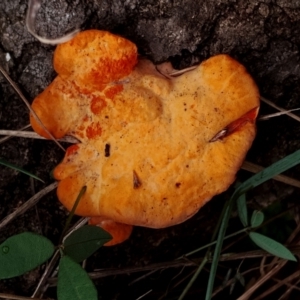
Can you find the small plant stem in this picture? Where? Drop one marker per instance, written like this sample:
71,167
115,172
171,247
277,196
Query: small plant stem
196,274
207,255
225,218
76,226
72,212
246,229
46,273
176,264
262,225
214,242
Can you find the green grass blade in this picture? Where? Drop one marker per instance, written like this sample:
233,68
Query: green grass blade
215,261
72,212
14,167
269,172
271,246
196,274
207,255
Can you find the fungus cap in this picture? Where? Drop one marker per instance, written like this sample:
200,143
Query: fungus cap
153,149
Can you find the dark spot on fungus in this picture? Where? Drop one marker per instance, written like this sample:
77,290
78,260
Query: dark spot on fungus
136,181
178,184
107,150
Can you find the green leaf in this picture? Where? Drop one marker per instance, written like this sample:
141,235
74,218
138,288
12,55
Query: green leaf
14,167
22,253
242,209
257,218
73,282
83,242
271,246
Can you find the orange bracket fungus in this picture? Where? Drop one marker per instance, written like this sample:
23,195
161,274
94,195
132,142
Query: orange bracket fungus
153,149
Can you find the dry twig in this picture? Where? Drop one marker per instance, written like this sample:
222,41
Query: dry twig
177,264
20,94
290,114
10,136
289,290
27,205
262,280
43,284
15,297
33,135
278,285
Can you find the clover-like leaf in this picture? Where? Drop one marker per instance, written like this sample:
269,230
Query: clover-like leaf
242,209
73,282
271,246
154,148
257,218
84,241
22,253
